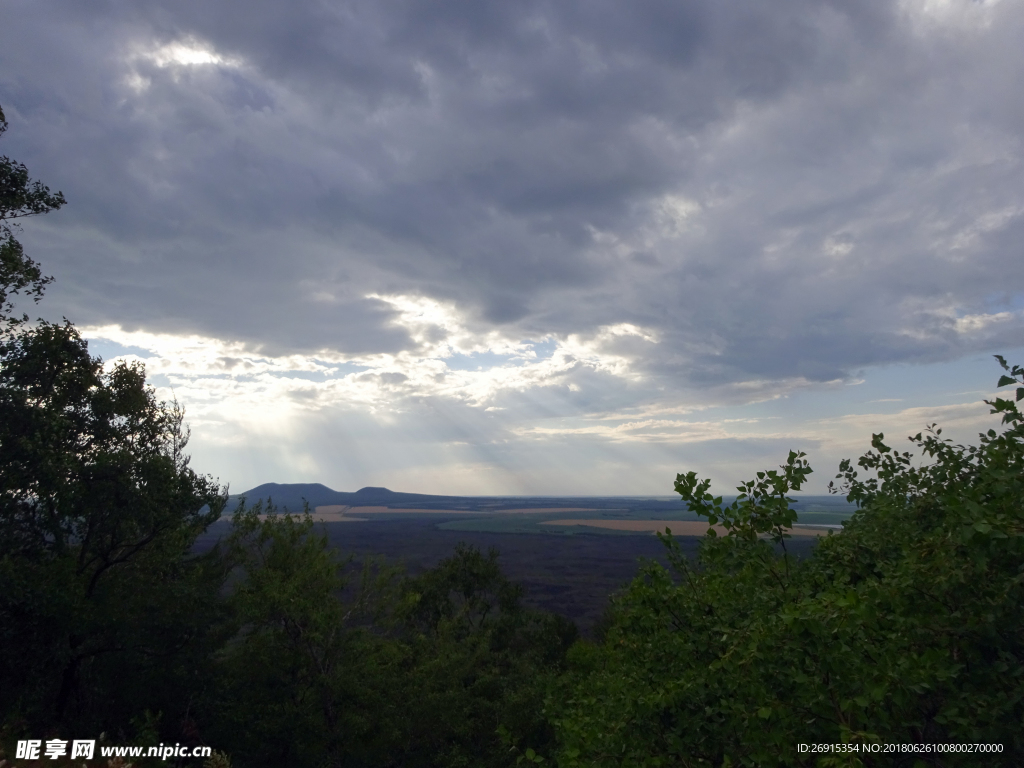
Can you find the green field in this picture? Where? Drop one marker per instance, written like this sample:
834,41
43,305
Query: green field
815,510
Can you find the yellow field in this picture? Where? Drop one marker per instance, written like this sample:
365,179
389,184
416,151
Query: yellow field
332,511
338,512
330,514
544,511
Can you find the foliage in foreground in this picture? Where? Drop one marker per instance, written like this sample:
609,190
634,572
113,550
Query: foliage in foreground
99,508
906,628
20,196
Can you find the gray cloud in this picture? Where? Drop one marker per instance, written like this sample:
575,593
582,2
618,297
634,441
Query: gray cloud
794,190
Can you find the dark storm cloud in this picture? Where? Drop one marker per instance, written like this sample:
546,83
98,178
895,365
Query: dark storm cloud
794,189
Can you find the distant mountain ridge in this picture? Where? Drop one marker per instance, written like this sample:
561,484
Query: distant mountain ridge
294,495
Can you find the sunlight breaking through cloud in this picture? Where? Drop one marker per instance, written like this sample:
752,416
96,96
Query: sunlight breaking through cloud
187,52
214,371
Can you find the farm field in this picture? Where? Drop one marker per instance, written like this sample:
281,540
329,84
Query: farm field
677,527
632,517
344,513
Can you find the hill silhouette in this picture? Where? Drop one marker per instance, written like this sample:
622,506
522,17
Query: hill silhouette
293,495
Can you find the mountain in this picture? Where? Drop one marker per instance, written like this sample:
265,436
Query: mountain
293,495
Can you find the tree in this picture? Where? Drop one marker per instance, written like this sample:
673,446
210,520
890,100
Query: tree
477,663
99,509
302,679
327,669
905,628
19,197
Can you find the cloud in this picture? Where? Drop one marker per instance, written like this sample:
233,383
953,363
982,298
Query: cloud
447,360
518,214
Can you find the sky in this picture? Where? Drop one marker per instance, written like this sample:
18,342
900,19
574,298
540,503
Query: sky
482,247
